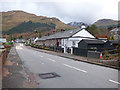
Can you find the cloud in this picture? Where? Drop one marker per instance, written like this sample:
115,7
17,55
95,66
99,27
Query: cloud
87,11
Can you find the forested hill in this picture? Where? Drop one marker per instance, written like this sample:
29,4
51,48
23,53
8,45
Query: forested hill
31,27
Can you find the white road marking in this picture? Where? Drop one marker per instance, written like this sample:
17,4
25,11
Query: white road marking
18,47
40,56
114,81
75,68
61,58
37,54
21,44
51,60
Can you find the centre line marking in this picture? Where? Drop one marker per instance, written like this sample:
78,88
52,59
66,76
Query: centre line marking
51,60
42,63
75,68
114,81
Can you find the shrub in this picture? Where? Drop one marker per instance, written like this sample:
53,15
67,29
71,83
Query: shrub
46,48
7,46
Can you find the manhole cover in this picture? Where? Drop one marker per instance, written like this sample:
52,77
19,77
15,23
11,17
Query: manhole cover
48,75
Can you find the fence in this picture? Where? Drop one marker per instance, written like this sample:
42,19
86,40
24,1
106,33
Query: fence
80,52
48,48
57,49
91,53
94,53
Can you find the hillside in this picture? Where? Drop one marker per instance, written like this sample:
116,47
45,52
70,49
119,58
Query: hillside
106,23
12,19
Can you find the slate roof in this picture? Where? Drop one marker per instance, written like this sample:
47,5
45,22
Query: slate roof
43,38
63,34
93,41
82,37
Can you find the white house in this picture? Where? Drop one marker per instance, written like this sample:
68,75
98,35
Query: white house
66,39
76,38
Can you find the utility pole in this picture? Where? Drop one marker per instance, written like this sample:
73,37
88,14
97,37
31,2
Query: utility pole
55,39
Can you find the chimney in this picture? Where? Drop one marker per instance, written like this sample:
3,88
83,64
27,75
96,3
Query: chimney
83,26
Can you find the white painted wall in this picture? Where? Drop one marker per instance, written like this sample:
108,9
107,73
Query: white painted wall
69,41
65,42
83,33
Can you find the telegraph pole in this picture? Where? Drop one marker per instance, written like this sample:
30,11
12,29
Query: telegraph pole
55,39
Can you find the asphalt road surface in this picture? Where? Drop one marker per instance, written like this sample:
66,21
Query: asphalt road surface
73,74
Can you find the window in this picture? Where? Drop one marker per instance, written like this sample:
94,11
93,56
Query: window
73,43
62,42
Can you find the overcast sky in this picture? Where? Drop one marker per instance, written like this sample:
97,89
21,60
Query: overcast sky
87,11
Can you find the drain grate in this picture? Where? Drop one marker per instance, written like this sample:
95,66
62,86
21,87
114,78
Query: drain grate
48,75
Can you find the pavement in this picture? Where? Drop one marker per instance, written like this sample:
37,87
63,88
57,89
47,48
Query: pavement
0,70
1,50
15,74
106,63
72,74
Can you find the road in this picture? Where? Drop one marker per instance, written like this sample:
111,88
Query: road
73,74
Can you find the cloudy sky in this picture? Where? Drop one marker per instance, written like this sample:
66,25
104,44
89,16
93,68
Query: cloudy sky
87,11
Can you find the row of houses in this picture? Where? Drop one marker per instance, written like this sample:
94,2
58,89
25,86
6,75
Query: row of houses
76,41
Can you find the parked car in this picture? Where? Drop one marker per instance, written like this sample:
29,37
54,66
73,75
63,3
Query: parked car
2,47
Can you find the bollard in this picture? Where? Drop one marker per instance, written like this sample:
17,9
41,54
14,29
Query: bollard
100,55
